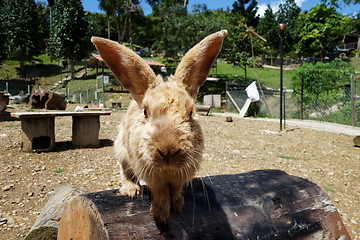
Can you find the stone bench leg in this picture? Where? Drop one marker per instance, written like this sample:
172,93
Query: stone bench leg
85,131
38,134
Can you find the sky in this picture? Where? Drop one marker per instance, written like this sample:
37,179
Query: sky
305,5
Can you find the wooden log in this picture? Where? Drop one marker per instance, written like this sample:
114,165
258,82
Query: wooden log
56,101
47,223
38,98
266,204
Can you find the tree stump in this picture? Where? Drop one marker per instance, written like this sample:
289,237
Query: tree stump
56,101
47,223
266,204
37,99
47,99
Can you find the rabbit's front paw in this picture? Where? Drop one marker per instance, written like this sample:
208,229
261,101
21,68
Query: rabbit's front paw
130,189
177,204
160,213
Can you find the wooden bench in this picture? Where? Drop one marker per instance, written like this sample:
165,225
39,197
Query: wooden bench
206,109
4,101
38,132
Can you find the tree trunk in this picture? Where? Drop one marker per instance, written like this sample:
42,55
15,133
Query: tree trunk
124,29
266,204
117,22
72,69
130,31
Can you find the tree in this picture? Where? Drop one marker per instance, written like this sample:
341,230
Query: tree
2,32
246,9
67,32
267,29
321,28
170,16
21,22
122,12
346,2
318,81
288,13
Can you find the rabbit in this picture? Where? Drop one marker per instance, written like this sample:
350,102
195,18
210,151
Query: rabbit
160,140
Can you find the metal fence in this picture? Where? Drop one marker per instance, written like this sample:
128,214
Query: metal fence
16,87
341,106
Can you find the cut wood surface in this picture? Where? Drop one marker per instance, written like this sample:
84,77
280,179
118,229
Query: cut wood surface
264,204
47,223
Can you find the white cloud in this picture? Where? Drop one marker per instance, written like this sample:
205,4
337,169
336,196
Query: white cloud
275,6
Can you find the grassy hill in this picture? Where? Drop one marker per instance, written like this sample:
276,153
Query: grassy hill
46,73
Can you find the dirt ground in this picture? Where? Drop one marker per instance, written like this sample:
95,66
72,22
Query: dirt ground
27,179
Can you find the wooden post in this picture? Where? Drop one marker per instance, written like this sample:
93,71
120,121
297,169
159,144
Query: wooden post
352,100
264,204
302,99
38,134
85,131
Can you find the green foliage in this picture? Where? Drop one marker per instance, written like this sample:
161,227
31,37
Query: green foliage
20,21
247,10
288,13
67,32
2,32
322,28
320,80
267,29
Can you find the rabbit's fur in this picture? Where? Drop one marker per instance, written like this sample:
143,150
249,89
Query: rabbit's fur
159,139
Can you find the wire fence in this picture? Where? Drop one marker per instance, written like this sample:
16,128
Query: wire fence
341,106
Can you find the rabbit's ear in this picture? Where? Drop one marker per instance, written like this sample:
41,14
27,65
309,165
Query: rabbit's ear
129,68
197,62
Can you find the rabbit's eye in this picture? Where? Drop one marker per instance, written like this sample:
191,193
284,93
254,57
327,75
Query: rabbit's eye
145,113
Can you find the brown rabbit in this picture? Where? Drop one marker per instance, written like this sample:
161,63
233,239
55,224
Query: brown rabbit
159,139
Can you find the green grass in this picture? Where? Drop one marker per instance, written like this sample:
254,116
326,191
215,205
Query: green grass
49,73
286,157
268,77
60,170
355,62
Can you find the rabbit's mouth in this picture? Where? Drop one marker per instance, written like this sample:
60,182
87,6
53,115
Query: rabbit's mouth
169,159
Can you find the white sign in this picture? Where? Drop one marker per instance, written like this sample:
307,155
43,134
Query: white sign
106,79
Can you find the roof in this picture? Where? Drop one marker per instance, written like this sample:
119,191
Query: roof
148,61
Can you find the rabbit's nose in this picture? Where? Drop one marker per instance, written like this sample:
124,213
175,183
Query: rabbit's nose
168,151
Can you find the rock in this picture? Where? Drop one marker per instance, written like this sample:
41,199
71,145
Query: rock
8,187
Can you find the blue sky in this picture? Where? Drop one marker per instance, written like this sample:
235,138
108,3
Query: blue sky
305,5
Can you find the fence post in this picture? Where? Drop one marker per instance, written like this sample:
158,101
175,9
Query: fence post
302,99
226,97
352,100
